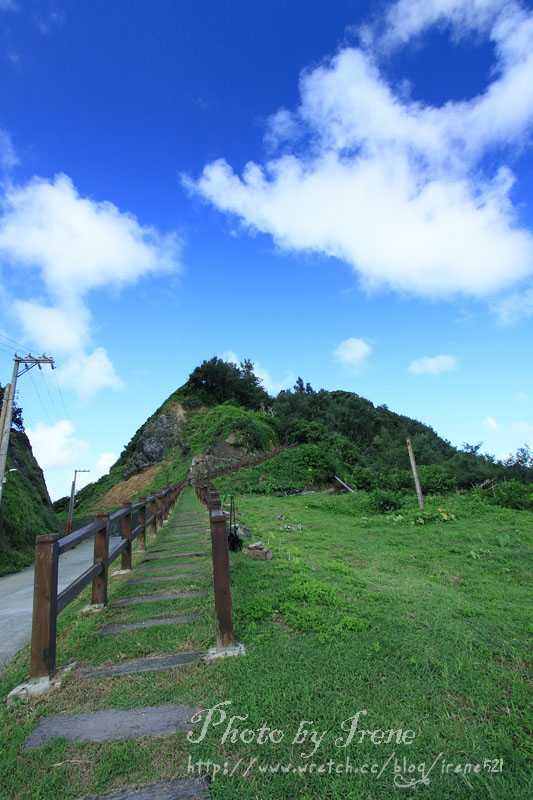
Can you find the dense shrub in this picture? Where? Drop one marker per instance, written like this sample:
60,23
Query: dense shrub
512,494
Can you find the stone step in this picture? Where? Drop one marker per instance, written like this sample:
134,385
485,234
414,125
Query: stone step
97,726
147,623
128,601
171,566
151,664
179,789
176,555
178,576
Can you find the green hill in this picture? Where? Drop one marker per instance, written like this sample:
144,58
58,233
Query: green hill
223,418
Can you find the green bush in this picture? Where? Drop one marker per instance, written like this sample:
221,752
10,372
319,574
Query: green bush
512,494
383,500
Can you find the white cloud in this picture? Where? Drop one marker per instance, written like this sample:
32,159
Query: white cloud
8,157
54,446
79,244
394,187
433,366
352,354
514,307
522,396
89,373
75,245
491,423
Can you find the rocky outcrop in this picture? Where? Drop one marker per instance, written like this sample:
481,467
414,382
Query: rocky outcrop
160,433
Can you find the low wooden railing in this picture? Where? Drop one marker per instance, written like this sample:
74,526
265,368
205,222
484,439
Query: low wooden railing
208,495
47,603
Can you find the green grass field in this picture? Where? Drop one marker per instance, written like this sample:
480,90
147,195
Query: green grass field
418,622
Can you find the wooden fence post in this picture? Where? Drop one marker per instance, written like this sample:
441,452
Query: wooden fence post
166,503
43,637
101,544
153,512
159,510
141,515
126,534
223,612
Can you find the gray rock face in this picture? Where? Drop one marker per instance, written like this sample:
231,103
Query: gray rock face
159,433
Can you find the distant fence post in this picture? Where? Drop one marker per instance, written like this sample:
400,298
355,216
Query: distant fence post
159,510
223,612
153,513
141,515
126,534
166,503
43,638
101,544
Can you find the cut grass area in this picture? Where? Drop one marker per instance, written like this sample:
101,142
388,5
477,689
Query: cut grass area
424,627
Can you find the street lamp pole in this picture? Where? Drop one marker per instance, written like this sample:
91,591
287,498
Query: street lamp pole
68,527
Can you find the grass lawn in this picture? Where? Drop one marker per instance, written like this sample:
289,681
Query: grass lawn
377,646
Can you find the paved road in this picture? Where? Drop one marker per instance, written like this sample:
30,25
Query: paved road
16,598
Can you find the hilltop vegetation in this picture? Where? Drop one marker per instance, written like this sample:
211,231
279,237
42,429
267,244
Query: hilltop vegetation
222,414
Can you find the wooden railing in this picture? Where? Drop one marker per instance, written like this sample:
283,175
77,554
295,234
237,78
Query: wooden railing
208,495
47,603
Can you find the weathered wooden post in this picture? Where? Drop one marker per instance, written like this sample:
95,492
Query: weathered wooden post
126,534
418,487
159,510
43,637
166,503
223,611
141,515
101,545
153,513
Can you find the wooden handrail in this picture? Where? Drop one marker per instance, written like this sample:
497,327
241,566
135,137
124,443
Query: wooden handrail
47,603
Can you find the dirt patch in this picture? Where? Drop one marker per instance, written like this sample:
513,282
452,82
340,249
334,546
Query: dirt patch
124,491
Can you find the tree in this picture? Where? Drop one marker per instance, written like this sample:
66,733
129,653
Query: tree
16,419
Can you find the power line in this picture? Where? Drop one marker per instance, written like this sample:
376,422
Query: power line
61,395
50,396
40,398
9,339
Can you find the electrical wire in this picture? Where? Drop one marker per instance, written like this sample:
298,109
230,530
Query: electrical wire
40,398
49,395
13,341
61,395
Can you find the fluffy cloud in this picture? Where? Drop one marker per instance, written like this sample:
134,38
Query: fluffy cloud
75,245
54,446
433,366
398,189
491,423
89,373
352,354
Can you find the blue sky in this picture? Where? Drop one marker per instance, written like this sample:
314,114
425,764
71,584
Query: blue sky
341,191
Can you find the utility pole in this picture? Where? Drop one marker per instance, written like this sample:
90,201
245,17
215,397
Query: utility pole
28,361
68,528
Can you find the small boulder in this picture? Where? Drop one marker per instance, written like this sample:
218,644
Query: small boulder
261,555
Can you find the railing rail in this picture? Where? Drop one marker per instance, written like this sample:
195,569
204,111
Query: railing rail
47,603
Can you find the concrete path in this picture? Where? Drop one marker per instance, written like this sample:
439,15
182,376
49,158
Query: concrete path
16,597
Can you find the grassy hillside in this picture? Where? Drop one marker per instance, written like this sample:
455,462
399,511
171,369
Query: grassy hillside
26,510
422,629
